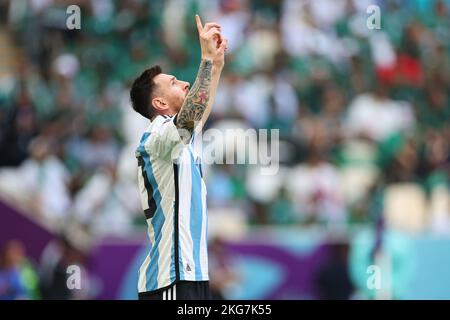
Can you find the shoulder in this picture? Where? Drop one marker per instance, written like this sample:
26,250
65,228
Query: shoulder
161,130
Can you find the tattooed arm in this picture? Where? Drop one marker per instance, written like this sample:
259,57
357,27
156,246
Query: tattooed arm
197,99
198,103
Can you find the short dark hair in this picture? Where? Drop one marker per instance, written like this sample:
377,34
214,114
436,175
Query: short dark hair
142,90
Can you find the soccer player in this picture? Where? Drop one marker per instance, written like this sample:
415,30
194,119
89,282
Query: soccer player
173,193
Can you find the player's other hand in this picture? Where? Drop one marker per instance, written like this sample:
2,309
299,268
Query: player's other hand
212,44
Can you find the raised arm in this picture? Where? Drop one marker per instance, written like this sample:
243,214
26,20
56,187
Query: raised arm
198,103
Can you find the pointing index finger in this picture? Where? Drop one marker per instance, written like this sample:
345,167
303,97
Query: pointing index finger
199,23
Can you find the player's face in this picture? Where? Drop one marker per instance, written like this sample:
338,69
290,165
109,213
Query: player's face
172,90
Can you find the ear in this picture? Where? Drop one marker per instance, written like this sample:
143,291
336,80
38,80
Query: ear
159,104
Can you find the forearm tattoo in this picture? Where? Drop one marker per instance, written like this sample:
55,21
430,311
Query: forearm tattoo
197,99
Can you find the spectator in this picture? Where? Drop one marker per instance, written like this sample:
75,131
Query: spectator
18,279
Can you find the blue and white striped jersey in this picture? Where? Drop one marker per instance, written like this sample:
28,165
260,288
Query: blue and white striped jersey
173,197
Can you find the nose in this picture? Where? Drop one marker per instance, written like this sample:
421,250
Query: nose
186,86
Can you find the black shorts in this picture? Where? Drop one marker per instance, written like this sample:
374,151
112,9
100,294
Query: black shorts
181,290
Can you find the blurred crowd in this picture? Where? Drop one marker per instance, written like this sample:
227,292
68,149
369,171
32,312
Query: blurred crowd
24,278
362,113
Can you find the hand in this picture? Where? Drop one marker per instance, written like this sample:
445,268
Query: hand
212,44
